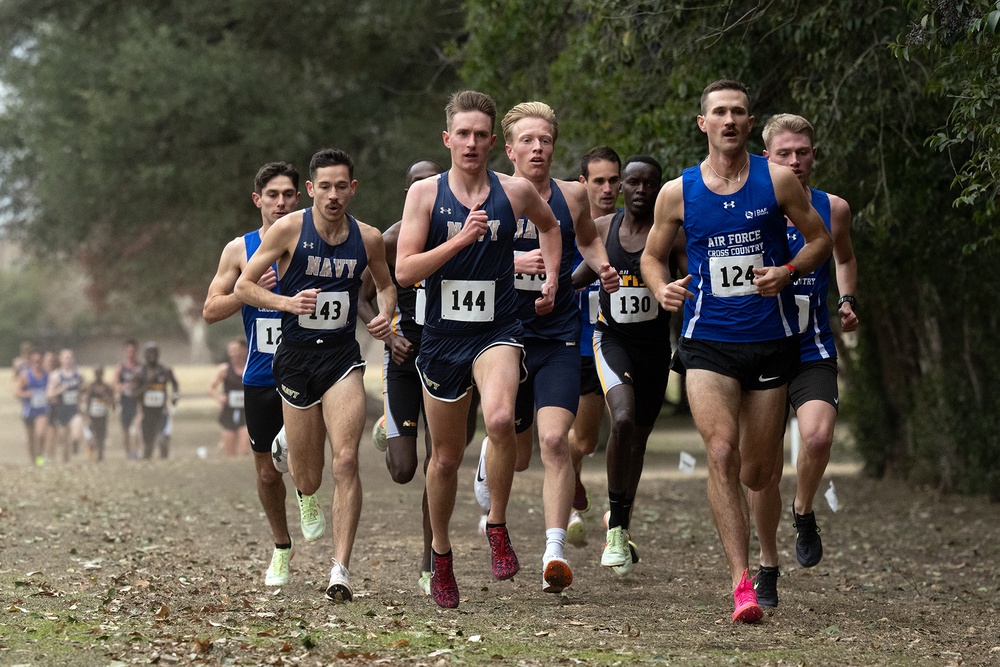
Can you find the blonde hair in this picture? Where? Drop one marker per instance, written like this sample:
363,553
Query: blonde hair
529,110
471,100
787,122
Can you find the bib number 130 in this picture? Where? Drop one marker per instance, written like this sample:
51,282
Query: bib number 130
467,300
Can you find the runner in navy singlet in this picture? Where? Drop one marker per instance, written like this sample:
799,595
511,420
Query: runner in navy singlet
813,392
276,193
457,234
226,389
740,333
321,253
551,341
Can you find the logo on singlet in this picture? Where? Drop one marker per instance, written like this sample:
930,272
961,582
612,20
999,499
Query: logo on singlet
729,204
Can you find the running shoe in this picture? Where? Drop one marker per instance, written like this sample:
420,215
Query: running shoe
766,585
581,499
339,589
312,519
424,582
745,598
576,532
279,451
379,436
616,552
502,556
482,523
481,488
444,590
627,567
808,545
277,571
556,575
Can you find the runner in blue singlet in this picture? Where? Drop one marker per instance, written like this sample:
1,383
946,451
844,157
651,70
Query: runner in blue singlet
739,344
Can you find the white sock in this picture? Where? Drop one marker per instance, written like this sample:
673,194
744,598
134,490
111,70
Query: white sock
555,540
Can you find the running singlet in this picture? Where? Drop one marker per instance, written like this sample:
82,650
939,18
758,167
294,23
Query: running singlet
38,402
232,384
631,312
334,269
72,383
474,290
563,323
263,331
817,336
126,379
588,305
727,237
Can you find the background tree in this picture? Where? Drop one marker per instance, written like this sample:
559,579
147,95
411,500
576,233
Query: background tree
924,378
131,132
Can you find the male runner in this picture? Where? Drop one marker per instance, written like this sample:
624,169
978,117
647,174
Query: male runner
632,352
739,343
813,391
321,253
124,385
600,173
403,400
276,193
156,390
226,389
458,233
32,386
551,341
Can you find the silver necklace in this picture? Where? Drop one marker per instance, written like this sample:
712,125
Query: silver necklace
729,180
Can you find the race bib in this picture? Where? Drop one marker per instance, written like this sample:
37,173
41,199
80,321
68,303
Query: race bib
468,300
154,398
733,276
71,396
528,282
235,399
39,399
420,308
268,330
594,303
802,303
98,409
633,304
332,309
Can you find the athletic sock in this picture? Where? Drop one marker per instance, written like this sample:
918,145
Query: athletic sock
283,546
620,508
555,540
496,525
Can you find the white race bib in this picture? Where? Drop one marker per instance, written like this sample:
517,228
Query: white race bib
802,302
332,309
268,330
468,300
154,398
98,409
420,308
733,276
594,303
528,282
39,399
71,396
235,399
633,304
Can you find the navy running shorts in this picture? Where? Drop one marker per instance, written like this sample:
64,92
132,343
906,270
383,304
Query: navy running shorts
552,382
445,361
304,374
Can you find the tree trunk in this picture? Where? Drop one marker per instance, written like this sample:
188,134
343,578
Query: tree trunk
189,314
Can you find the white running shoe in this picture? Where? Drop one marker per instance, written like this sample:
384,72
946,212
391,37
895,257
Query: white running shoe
616,551
339,589
424,582
482,524
279,451
482,490
576,532
311,516
277,571
379,436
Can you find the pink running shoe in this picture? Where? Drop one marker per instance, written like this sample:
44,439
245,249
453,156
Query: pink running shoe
745,598
444,589
502,555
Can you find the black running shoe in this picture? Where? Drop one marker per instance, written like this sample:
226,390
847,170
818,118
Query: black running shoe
808,545
766,585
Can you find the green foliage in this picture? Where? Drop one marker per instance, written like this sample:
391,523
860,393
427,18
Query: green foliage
923,378
132,131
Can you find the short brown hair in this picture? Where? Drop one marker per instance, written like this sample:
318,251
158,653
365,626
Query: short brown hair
273,170
529,110
787,122
724,84
471,100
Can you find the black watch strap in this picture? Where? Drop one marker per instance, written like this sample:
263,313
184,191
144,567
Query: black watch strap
848,298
